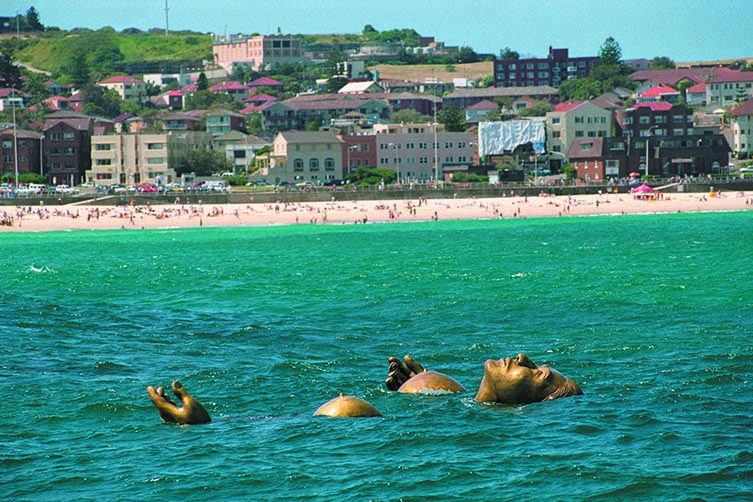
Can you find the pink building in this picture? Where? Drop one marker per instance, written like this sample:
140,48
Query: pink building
258,52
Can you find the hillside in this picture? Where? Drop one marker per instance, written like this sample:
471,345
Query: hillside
106,47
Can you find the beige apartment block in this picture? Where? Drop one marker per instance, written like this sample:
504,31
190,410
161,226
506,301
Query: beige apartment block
419,152
576,120
130,159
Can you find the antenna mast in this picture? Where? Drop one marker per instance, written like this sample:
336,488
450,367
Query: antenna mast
167,28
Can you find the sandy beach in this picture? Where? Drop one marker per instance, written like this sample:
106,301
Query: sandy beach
43,218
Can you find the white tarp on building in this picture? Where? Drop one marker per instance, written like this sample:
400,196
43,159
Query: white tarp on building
496,138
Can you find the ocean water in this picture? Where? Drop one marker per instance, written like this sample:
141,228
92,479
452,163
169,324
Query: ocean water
651,315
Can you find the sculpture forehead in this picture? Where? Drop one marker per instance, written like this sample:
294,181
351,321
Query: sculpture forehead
431,381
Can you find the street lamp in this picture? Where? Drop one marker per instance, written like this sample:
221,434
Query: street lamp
15,139
350,149
41,158
648,140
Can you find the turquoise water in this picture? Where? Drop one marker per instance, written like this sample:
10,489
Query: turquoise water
651,315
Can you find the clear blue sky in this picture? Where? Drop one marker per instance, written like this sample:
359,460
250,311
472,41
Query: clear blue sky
683,31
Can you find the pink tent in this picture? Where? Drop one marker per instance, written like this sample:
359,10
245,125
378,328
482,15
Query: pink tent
642,188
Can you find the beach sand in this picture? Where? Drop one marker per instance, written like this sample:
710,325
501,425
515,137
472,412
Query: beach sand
89,217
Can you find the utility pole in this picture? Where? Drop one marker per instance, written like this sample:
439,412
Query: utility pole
167,26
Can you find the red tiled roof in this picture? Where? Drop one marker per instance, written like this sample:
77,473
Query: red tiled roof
483,106
732,76
745,108
260,98
568,106
264,82
585,148
189,88
228,86
655,106
672,77
699,88
121,79
658,91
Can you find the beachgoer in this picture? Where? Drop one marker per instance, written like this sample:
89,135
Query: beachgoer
191,411
509,381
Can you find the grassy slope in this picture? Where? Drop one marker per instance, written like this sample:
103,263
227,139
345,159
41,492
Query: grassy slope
51,53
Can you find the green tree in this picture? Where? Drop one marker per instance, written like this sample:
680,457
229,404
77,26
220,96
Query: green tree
203,162
538,109
314,125
662,63
610,52
334,84
408,116
369,31
453,118
579,89
9,69
78,69
254,123
508,53
467,55
32,19
202,84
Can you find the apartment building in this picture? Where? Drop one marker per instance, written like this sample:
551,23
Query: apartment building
576,120
127,87
421,152
552,70
729,88
306,156
256,52
130,159
742,129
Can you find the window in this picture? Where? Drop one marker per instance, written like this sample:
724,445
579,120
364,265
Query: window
555,120
102,148
298,165
578,134
512,66
578,120
155,146
7,144
329,164
313,164
586,146
678,132
627,120
645,119
69,136
677,119
103,162
155,160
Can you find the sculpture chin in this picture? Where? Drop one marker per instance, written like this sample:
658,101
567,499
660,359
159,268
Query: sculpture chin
431,382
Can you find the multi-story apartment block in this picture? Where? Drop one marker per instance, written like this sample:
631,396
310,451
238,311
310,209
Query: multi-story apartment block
240,149
67,146
551,71
131,159
221,121
729,88
742,129
576,120
258,52
420,152
306,156
661,139
28,148
359,150
127,87
299,112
